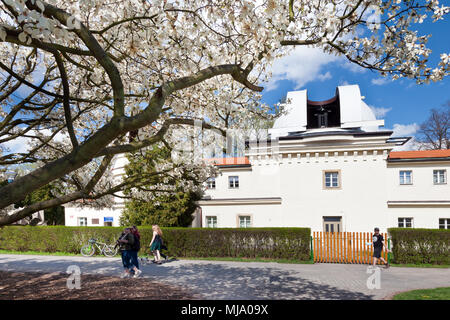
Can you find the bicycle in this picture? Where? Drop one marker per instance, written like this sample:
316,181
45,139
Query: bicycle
88,250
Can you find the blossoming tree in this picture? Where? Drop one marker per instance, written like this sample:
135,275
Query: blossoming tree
78,76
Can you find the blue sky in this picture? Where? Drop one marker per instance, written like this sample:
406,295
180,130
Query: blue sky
403,104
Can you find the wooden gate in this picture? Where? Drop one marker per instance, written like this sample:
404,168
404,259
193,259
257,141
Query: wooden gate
345,247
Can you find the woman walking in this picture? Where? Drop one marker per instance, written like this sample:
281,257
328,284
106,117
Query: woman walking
122,242
135,250
155,244
126,242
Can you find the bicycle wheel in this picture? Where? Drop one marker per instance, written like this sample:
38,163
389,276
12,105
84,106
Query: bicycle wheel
110,251
87,250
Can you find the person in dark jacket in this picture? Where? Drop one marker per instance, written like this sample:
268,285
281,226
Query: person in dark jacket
135,249
126,242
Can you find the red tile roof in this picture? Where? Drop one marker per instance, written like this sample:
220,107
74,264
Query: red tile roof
421,154
229,161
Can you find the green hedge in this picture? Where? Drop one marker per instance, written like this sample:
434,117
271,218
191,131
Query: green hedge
420,246
270,243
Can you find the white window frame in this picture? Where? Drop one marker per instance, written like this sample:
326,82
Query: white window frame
404,176
335,179
247,223
85,221
438,176
208,221
233,182
211,183
446,223
404,222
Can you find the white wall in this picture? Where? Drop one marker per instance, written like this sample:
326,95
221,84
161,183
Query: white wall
429,211
361,200
73,213
423,217
368,183
422,187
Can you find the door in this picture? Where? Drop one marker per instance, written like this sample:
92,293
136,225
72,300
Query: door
332,224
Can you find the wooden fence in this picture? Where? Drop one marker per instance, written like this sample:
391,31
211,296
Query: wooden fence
345,247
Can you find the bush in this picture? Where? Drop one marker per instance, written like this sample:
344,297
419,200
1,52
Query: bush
420,246
270,243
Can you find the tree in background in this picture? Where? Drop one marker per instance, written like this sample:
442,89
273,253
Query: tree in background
52,216
173,210
162,199
434,133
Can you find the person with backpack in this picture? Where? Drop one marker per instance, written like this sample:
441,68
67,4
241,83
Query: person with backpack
126,242
123,252
135,250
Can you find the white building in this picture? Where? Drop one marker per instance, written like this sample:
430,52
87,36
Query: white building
91,217
327,166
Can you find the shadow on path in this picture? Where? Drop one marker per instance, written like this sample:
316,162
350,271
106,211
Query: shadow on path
212,281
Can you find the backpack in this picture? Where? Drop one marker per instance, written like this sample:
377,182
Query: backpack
137,244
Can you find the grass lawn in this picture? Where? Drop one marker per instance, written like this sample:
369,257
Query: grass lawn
39,253
444,266
425,294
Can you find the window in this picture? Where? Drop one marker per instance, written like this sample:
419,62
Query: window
82,222
444,223
211,183
211,222
107,223
244,221
95,221
331,179
332,224
439,176
405,222
406,177
233,182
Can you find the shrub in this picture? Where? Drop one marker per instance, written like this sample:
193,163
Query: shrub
270,243
420,246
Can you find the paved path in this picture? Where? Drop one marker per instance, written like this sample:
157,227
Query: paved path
250,280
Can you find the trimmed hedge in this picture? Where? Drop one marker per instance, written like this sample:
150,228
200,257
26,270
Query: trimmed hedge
270,243
420,246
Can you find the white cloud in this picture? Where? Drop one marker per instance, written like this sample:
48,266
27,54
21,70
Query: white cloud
323,77
401,130
380,81
17,145
380,112
301,66
22,144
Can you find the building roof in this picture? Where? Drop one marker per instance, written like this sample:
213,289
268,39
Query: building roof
231,161
420,154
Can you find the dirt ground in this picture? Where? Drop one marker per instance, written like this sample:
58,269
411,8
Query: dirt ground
53,286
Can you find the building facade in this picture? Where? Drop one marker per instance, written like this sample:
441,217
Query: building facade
328,166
